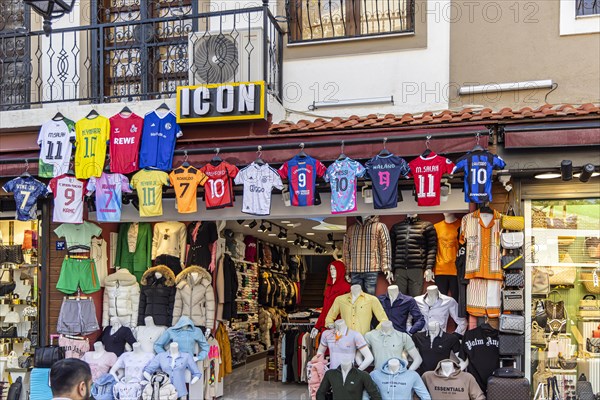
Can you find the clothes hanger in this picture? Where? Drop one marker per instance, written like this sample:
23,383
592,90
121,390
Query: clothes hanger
259,161
427,151
126,110
58,117
163,106
485,209
302,153
216,159
92,114
477,145
26,173
342,156
384,152
185,162
107,166
70,171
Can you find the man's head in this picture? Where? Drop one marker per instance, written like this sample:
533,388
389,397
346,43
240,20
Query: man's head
71,378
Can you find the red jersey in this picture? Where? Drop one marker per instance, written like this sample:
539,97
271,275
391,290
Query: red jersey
218,189
302,173
427,172
125,133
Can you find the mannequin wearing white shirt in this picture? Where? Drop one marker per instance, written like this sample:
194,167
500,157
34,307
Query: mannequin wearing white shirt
341,328
387,328
149,333
137,352
433,294
174,350
432,298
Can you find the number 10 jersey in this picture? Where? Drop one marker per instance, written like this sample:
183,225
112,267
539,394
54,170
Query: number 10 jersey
218,189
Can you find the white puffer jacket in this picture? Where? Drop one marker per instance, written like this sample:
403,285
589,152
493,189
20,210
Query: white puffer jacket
121,298
195,297
159,388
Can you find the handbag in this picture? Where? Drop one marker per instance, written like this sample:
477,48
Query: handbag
12,360
564,222
8,333
510,323
512,222
14,392
565,363
45,357
563,276
32,335
591,281
538,218
538,336
589,307
514,280
512,240
25,362
513,300
26,274
540,314
584,390
30,311
592,345
511,345
540,281
11,254
557,316
7,288
512,262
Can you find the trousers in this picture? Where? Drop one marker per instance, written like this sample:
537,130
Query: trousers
409,281
367,280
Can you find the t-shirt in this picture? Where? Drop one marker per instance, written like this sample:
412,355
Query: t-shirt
133,364
340,347
434,352
385,346
302,173
480,346
427,172
158,140
91,137
342,176
125,134
54,140
385,172
78,234
185,181
447,248
148,185
218,189
68,199
26,191
478,167
99,365
109,189
258,181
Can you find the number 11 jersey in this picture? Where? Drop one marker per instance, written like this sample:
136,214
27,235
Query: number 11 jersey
55,147
428,172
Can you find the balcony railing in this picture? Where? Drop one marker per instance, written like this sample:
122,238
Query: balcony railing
132,60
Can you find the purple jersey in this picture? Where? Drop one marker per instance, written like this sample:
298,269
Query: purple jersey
109,189
342,176
385,173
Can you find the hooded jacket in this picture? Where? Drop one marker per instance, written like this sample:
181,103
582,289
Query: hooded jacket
414,244
159,388
121,298
459,385
186,335
195,297
316,371
157,296
333,290
399,385
102,388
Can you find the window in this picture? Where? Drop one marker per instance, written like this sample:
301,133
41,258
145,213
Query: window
14,53
579,17
587,7
312,20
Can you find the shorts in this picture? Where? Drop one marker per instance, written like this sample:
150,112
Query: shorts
172,262
74,348
77,317
76,273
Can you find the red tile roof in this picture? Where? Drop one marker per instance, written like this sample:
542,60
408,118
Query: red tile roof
486,115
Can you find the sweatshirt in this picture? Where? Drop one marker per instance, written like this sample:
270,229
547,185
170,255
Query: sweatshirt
459,385
399,385
352,389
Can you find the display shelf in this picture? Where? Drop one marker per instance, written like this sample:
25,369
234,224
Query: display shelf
19,339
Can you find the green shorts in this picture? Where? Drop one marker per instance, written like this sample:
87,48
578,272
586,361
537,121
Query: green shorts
76,273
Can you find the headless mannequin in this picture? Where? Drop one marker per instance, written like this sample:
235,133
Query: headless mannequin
98,350
449,218
333,272
355,290
341,329
115,325
447,368
346,366
428,274
393,365
158,275
174,351
433,328
149,321
433,295
393,292
387,328
137,350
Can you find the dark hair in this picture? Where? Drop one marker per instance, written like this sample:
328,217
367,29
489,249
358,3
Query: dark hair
68,373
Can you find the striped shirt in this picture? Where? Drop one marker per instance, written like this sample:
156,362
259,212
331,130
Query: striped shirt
367,247
483,246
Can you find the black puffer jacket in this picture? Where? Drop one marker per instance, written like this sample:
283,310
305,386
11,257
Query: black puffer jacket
157,296
414,244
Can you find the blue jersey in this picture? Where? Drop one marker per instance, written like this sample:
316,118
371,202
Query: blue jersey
385,173
342,176
302,173
478,167
158,141
26,192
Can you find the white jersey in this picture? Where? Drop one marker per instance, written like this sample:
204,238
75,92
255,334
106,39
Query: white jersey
54,140
258,181
68,199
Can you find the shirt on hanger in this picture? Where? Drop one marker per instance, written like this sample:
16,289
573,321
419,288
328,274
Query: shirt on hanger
98,254
427,173
444,306
109,189
125,135
385,172
342,346
185,181
78,234
169,238
54,140
258,181
159,135
26,191
445,260
483,258
90,153
148,185
302,173
218,189
386,346
478,167
342,176
68,199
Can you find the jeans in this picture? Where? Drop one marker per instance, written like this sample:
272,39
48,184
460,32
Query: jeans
367,280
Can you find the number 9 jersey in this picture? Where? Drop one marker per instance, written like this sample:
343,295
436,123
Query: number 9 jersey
301,173
68,199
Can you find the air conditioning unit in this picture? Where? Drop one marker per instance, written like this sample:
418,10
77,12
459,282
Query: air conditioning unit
220,57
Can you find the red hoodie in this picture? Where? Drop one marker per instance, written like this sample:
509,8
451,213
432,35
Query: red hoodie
333,290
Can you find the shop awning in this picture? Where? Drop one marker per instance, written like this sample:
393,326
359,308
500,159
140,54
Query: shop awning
573,134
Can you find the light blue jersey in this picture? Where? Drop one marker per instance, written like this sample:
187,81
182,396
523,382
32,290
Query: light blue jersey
342,176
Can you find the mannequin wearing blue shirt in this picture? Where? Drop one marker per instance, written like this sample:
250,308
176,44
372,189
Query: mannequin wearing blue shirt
174,364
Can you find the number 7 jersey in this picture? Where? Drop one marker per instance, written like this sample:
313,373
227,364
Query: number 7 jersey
185,181
109,190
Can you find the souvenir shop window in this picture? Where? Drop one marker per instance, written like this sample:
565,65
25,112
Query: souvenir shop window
18,295
563,260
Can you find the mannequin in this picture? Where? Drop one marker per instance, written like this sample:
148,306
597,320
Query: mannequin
339,340
395,382
99,360
336,285
117,338
357,308
355,290
99,350
346,366
437,345
399,307
393,292
447,368
438,307
394,365
131,364
445,260
336,379
449,218
174,351
448,382
387,342
115,325
149,333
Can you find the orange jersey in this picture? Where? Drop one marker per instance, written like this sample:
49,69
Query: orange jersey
445,260
185,181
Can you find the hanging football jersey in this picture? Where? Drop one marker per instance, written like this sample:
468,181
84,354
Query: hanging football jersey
427,172
54,140
342,176
68,193
158,140
185,181
301,173
258,181
385,172
109,190
148,185
26,191
218,189
125,135
478,167
90,153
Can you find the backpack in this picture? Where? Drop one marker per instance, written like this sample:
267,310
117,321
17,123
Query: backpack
14,392
102,388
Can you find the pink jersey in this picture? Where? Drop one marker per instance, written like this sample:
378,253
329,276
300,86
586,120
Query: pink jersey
109,189
125,133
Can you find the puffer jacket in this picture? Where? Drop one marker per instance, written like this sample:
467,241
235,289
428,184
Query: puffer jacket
265,323
414,244
159,388
195,297
157,296
121,298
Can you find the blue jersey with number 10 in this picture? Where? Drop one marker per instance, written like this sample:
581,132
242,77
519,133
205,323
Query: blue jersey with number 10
478,167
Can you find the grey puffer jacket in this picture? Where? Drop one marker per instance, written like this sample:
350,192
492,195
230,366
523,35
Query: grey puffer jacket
414,244
195,297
